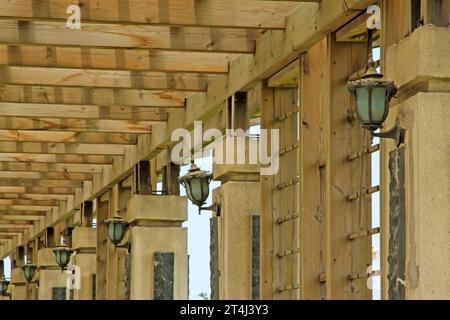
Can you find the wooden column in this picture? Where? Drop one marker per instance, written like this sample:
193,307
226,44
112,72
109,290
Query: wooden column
314,128
280,240
102,247
349,181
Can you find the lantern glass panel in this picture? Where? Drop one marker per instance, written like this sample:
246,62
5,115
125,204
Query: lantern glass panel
379,104
116,231
29,272
188,191
196,189
362,104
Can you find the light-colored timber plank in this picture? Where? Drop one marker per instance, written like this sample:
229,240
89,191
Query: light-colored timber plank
81,111
90,95
106,79
66,137
95,35
53,167
19,182
13,217
53,158
123,127
62,148
25,208
210,13
45,175
36,190
118,59
13,202
33,196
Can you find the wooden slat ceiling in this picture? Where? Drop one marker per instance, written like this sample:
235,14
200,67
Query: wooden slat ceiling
73,101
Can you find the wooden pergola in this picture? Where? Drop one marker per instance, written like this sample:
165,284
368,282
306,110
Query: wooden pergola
86,113
79,108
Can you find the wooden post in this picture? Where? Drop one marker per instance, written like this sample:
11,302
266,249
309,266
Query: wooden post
171,173
346,214
142,178
280,200
102,247
87,212
313,147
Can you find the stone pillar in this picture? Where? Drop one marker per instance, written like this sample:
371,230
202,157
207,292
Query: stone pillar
235,236
84,242
52,282
18,284
159,263
416,177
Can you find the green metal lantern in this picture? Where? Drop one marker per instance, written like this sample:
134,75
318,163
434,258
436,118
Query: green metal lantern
196,182
62,255
117,227
372,98
4,284
29,270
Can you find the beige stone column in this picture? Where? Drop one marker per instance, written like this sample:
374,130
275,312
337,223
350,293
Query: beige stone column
416,177
18,284
235,233
52,282
84,242
159,263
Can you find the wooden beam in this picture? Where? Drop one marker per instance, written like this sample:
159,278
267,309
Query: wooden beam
27,202
62,76
55,158
95,35
90,95
287,77
41,183
66,138
37,190
33,196
120,59
45,175
81,111
123,127
53,167
216,13
26,208
62,148
12,217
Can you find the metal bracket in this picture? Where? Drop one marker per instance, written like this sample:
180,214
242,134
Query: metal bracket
126,245
397,133
215,207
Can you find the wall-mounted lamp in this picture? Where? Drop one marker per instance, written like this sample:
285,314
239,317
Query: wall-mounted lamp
196,182
29,270
117,227
62,255
372,100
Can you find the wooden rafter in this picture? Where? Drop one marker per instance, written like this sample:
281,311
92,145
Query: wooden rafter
210,13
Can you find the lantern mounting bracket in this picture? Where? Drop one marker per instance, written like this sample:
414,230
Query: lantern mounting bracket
397,133
215,207
126,245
